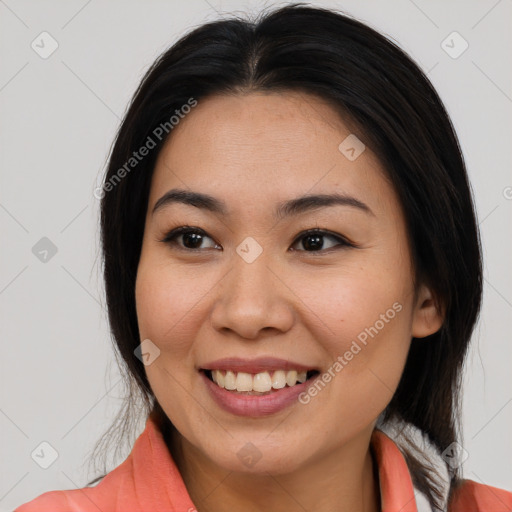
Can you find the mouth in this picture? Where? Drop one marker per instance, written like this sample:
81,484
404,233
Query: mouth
258,384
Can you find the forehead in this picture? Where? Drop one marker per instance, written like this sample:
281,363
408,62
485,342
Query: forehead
266,146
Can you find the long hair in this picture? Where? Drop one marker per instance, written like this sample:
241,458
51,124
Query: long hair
378,89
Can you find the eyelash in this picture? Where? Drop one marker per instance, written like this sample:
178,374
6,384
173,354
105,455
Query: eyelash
170,238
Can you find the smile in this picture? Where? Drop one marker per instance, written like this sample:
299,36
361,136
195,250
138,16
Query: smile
259,383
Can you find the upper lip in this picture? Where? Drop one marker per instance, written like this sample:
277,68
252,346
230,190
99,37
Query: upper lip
257,365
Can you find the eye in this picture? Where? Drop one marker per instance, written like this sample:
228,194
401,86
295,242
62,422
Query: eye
313,240
191,238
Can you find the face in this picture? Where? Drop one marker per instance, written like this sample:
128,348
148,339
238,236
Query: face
249,292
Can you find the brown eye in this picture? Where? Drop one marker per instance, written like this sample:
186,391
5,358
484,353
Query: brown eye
313,240
191,238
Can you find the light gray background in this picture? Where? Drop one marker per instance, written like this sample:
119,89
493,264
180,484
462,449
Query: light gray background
59,381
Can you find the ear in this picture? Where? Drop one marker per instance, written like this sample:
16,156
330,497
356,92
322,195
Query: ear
427,316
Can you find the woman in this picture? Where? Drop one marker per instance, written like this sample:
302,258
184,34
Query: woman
293,274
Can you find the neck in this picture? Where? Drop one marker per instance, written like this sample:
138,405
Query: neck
344,480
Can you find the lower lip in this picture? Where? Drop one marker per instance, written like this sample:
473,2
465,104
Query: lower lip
255,405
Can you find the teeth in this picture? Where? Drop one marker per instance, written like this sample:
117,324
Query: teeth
279,379
243,381
261,382
301,377
291,378
230,381
218,378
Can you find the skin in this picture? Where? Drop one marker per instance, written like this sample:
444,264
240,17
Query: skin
252,151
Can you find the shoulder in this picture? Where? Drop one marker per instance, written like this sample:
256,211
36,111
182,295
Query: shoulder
101,497
52,501
472,496
104,496
147,480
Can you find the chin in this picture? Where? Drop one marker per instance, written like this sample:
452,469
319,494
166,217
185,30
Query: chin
258,458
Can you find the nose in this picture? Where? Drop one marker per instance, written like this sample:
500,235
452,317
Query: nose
252,298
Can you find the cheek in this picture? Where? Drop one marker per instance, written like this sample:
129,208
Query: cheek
169,303
343,304
154,301
165,312
363,319
371,323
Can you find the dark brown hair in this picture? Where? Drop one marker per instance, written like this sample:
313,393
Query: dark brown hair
376,87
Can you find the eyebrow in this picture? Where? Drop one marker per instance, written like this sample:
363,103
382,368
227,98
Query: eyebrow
287,208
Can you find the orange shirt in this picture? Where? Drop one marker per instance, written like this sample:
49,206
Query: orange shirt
149,481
